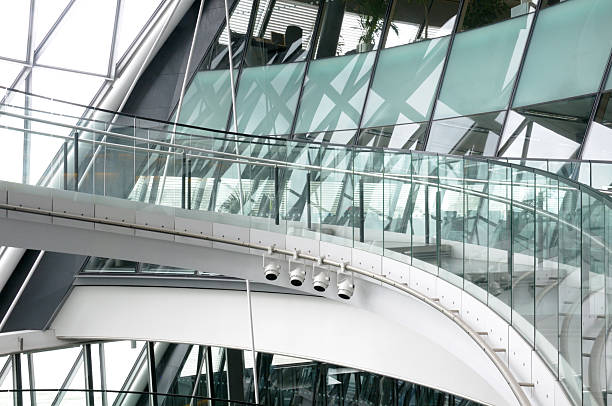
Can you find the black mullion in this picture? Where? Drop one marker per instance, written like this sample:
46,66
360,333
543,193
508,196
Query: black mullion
374,64
519,73
247,44
309,58
443,73
600,92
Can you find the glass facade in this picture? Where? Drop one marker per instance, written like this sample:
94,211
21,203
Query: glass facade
413,66
172,374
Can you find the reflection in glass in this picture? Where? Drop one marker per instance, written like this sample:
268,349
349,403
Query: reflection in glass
523,265
267,98
350,27
593,298
334,92
421,19
475,174
598,144
548,130
404,84
282,32
217,55
407,136
332,137
568,52
208,100
547,269
500,240
482,68
477,13
473,135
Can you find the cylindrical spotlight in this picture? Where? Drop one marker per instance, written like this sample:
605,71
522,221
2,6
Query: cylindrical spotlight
321,281
346,288
272,271
297,276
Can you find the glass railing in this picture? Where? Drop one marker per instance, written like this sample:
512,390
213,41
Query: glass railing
532,245
597,174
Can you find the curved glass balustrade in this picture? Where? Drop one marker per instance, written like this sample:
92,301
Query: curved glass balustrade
533,246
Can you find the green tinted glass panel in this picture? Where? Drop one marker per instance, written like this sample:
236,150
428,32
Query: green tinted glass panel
334,93
405,83
207,101
482,68
568,53
267,97
609,82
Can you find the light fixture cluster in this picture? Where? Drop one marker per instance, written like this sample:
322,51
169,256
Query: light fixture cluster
320,274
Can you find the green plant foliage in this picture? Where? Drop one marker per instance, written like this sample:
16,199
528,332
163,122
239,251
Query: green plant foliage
483,12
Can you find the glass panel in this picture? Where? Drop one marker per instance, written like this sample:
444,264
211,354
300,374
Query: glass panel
450,217
11,153
523,255
547,269
283,32
8,73
6,380
424,197
239,23
598,144
474,135
477,13
336,193
82,41
570,348
608,341
549,130
500,239
301,198
404,84
476,227
482,67
133,18
568,53
46,14
334,92
45,377
407,136
267,99
593,298
417,20
333,137
14,29
398,206
368,200
350,26
208,100
608,85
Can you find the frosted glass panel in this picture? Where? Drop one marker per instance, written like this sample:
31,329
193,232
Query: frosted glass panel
482,68
405,83
334,93
474,135
207,102
267,97
567,56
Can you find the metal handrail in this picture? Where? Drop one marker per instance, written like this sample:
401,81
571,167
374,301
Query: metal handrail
225,133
